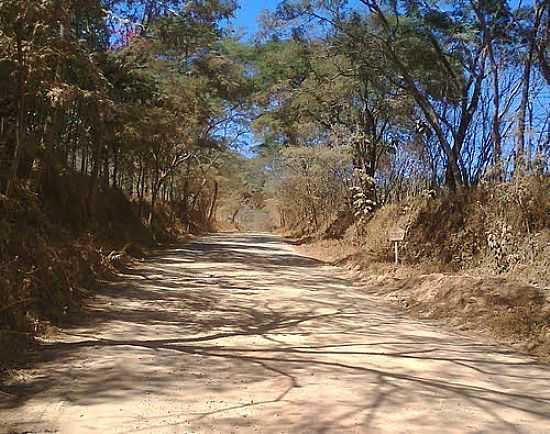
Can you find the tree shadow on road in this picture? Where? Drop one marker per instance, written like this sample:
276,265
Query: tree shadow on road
213,329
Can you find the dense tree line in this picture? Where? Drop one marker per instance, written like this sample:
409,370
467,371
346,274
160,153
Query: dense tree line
352,104
423,95
137,95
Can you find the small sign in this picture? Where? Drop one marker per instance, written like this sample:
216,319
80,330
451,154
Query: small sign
397,234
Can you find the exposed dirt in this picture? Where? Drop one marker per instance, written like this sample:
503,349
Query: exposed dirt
508,309
238,333
514,313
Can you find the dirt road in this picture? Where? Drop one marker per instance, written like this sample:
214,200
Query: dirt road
240,334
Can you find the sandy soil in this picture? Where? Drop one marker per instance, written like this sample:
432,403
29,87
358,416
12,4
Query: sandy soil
240,334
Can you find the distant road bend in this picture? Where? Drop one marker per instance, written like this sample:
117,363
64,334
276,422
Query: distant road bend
237,333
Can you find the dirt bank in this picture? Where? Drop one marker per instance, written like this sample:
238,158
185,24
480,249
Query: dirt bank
507,309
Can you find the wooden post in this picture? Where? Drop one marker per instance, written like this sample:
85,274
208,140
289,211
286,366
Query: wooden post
396,253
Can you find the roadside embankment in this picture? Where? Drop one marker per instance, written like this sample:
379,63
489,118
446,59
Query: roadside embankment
56,244
478,259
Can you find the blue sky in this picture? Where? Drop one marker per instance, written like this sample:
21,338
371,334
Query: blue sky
249,10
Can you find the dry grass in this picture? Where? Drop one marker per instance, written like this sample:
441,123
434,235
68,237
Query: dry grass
479,259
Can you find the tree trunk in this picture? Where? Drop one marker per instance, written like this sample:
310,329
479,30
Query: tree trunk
20,123
542,46
213,203
94,176
115,167
156,185
154,194
495,130
140,190
427,108
526,80
106,174
234,216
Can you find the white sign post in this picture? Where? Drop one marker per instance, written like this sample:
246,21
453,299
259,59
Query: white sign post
396,235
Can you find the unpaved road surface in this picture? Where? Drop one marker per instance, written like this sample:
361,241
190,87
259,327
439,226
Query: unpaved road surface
240,334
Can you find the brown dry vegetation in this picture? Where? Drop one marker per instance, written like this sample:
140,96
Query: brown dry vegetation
53,250
479,259
108,136
114,137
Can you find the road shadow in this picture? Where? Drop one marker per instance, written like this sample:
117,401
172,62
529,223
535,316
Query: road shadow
217,314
